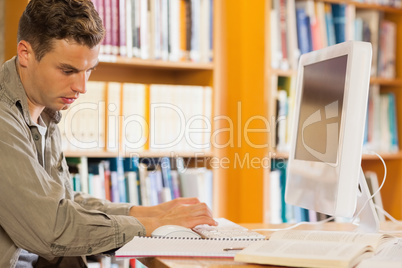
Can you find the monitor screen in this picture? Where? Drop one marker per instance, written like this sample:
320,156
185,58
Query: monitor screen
320,109
328,128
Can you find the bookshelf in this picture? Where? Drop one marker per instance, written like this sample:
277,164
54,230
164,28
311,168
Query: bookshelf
134,70
391,193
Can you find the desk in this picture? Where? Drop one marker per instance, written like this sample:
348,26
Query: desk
186,262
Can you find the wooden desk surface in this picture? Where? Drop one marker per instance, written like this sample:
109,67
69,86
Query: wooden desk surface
195,262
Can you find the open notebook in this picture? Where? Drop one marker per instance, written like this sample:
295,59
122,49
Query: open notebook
224,240
176,246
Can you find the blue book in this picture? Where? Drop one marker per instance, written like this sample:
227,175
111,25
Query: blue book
286,210
117,179
329,23
339,17
167,176
77,183
303,29
393,122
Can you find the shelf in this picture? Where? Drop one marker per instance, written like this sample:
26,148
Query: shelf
154,64
385,156
388,9
386,82
132,70
397,82
144,154
285,73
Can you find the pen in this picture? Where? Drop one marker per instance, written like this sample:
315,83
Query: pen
228,249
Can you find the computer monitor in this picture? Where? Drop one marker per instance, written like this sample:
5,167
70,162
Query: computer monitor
324,168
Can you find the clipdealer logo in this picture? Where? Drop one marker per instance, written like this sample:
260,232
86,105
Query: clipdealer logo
331,111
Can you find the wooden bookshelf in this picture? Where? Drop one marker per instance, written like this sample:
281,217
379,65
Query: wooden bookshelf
392,190
134,70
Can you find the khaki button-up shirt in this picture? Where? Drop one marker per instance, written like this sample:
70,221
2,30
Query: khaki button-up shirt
39,211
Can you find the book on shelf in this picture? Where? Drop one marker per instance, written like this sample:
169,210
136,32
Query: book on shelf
140,181
197,182
308,22
131,175
387,49
303,31
329,24
284,49
370,33
134,117
285,89
381,133
113,108
172,30
180,118
82,126
120,117
339,17
300,248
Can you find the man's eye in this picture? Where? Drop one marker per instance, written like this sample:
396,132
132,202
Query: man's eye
67,71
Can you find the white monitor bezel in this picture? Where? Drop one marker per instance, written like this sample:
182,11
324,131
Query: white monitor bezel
345,172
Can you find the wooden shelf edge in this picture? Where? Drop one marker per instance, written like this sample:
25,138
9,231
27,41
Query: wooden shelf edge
157,64
357,4
385,156
386,82
373,80
286,73
150,154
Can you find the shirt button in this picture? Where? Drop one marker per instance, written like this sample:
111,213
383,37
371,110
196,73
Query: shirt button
36,137
89,250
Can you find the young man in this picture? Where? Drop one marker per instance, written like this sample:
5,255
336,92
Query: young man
42,222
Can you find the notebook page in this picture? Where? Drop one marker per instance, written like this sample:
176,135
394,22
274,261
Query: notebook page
147,246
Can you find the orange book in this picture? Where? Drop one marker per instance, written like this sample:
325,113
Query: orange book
183,30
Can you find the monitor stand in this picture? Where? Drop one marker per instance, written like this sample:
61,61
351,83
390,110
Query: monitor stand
369,222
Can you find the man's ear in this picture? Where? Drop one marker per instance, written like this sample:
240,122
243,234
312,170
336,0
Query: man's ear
25,53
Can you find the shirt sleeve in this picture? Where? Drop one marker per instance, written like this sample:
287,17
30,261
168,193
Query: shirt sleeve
37,215
89,202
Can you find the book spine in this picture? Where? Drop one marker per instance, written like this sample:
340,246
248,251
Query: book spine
339,18
115,27
107,7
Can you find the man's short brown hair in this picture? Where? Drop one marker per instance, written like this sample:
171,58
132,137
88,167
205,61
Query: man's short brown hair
44,21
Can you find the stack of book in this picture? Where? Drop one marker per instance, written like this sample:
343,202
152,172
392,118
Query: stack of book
172,30
140,181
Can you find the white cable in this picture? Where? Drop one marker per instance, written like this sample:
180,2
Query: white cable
379,188
387,214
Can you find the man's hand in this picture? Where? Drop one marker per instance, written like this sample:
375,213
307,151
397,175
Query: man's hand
187,212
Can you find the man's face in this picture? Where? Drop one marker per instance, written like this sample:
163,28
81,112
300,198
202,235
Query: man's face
61,75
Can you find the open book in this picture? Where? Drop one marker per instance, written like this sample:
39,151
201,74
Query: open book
301,248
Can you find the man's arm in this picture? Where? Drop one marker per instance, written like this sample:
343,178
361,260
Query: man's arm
187,212
36,213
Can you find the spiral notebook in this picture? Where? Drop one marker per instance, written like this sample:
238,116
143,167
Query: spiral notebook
181,246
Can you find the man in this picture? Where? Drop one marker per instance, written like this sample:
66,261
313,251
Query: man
42,223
